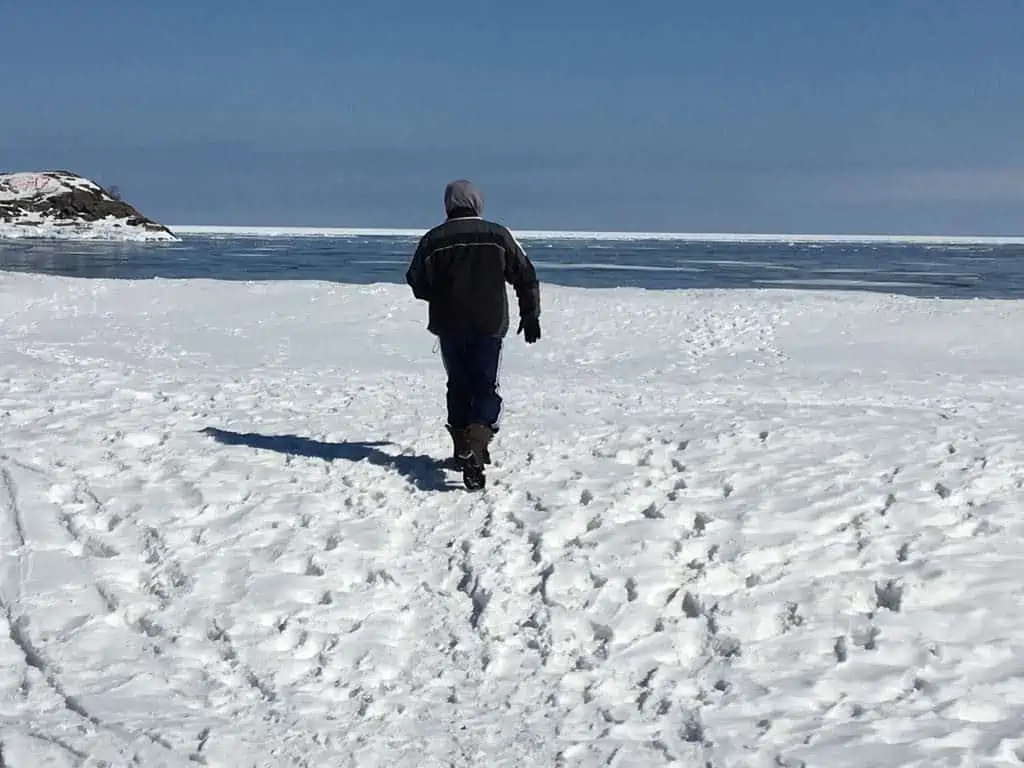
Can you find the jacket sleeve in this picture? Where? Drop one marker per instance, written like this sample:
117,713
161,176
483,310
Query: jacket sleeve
417,276
522,276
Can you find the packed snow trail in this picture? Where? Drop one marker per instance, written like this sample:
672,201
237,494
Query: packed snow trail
722,528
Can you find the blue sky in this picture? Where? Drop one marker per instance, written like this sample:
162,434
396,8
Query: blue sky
899,117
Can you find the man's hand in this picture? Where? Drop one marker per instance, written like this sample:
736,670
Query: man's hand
530,328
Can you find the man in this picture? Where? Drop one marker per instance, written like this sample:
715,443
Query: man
460,268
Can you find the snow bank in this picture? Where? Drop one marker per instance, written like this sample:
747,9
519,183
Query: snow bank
707,237
723,528
62,205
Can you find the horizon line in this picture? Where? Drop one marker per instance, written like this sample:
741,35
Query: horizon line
298,231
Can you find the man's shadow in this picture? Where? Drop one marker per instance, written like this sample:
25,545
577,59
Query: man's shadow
425,472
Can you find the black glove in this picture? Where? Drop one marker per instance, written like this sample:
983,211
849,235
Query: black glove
530,327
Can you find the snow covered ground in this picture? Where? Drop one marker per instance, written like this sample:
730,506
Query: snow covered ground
724,528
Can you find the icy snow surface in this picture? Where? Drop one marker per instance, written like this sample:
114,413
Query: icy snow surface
724,528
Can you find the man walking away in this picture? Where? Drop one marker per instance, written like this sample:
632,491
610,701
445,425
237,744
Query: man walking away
460,268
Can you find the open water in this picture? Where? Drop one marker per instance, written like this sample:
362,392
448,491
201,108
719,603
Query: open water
924,270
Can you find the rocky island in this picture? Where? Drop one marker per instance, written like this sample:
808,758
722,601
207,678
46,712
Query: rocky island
66,206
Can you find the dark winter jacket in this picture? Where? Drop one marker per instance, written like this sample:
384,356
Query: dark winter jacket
461,267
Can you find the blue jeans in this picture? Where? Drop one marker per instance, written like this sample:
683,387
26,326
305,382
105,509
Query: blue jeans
472,362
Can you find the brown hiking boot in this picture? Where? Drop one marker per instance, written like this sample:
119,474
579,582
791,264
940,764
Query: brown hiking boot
477,436
461,449
460,445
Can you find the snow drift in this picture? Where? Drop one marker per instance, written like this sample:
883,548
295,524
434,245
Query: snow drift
63,205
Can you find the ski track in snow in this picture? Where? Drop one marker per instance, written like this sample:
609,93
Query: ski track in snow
722,528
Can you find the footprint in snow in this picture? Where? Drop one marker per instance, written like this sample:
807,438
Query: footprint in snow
631,590
889,595
903,553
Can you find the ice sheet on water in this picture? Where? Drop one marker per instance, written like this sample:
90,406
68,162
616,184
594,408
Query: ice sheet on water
726,237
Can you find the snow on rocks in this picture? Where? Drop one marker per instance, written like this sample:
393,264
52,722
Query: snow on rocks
757,528
63,205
